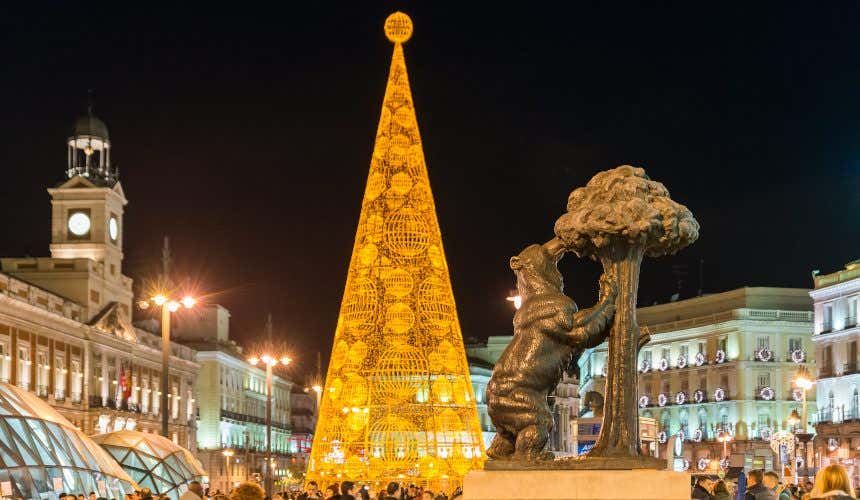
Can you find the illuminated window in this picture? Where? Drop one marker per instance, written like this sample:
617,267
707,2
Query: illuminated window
60,377
24,367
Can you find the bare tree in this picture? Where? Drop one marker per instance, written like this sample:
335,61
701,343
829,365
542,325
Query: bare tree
617,218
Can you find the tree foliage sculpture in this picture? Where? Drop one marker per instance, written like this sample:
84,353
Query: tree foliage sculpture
619,217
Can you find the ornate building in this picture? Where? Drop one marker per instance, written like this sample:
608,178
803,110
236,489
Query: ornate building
397,402
836,297
231,394
723,361
65,321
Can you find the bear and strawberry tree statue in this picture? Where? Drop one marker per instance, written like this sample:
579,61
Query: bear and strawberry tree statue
617,219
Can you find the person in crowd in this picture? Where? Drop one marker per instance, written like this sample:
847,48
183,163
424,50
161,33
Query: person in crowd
312,492
81,496
92,495
721,491
247,491
756,490
703,488
194,492
392,491
348,490
771,482
332,492
428,495
145,494
832,483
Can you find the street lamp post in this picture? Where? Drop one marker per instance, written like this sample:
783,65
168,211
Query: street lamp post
724,437
228,457
167,306
270,362
804,382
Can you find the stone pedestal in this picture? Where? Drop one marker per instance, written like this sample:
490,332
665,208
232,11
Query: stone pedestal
641,484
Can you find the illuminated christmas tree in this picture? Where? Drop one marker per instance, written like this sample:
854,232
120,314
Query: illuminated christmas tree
397,404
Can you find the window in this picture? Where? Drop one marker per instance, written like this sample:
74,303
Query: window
647,356
827,321
827,362
60,377
795,344
763,342
853,309
145,395
77,380
24,367
763,379
685,351
724,418
703,384
763,421
721,343
5,362
665,353
648,388
851,364
724,381
685,385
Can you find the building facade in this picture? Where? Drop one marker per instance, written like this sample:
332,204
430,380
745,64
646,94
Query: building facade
720,362
231,436
837,333
65,321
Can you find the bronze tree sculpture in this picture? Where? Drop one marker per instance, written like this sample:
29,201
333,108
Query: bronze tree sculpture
619,217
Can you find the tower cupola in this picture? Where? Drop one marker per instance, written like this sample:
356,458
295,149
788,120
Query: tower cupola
89,151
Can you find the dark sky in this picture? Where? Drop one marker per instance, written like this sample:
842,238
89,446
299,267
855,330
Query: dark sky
245,133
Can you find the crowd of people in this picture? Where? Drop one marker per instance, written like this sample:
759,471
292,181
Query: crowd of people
349,490
831,483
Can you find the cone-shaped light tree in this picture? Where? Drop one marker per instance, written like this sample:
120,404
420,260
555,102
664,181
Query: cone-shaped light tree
398,403
619,217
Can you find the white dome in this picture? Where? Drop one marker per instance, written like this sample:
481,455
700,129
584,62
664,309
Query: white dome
44,453
154,461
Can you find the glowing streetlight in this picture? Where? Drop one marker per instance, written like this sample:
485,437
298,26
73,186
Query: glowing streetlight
167,306
270,362
228,454
724,437
515,298
804,382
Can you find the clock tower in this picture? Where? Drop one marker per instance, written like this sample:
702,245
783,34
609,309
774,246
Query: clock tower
86,228
88,207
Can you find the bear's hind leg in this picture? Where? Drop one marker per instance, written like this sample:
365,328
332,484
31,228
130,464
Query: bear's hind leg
502,446
530,443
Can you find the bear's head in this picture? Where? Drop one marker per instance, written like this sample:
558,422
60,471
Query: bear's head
537,271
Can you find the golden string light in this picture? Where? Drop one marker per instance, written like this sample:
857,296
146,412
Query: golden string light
398,403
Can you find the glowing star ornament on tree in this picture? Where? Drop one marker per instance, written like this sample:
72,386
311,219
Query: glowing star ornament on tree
397,394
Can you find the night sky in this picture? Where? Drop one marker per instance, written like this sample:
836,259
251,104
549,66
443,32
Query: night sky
245,133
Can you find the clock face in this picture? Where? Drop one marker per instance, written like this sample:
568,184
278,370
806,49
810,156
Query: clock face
79,224
113,228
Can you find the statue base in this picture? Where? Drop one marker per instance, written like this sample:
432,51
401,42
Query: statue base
582,462
576,484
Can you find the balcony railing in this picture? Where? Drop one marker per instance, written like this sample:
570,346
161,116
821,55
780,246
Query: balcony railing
42,391
825,327
826,371
76,398
848,368
59,395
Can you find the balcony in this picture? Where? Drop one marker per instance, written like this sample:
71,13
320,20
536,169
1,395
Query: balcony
850,322
76,398
42,391
849,368
825,327
826,371
59,395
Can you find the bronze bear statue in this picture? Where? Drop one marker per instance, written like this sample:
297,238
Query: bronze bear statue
549,332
